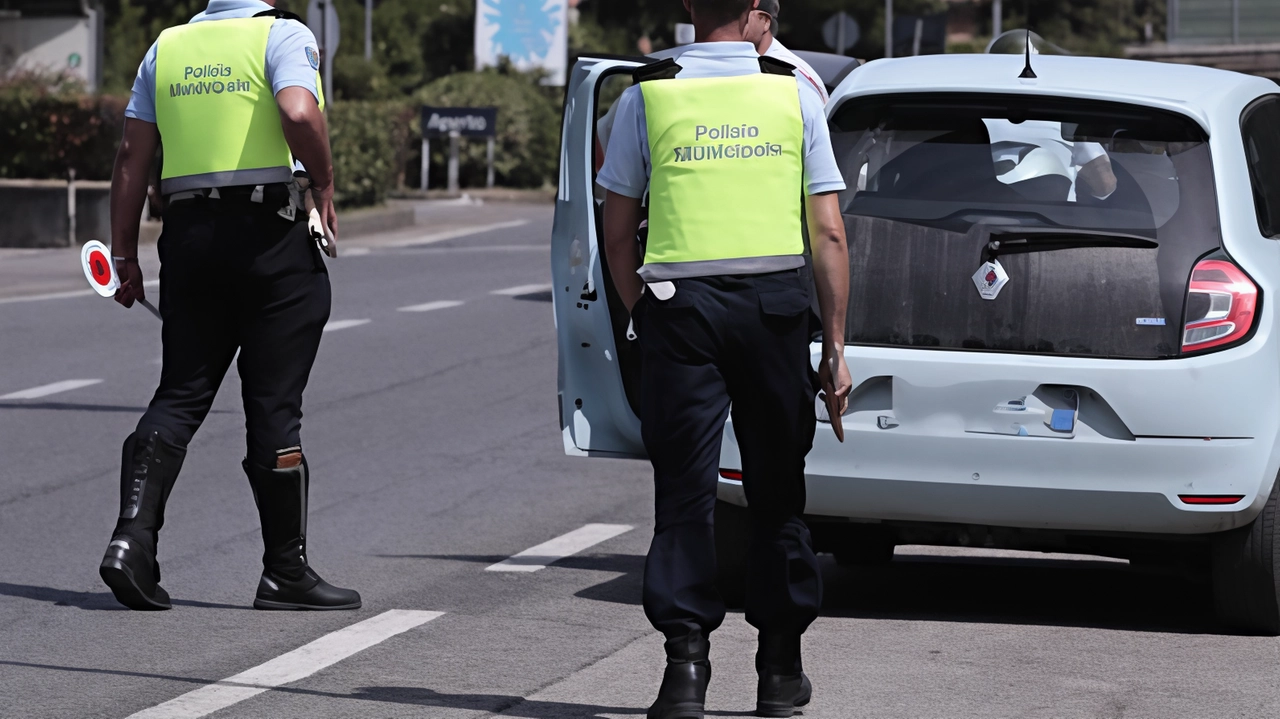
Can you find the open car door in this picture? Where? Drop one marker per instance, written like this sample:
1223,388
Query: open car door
598,363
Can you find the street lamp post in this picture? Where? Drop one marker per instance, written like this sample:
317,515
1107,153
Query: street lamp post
368,30
888,28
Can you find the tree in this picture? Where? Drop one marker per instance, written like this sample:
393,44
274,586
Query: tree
1087,27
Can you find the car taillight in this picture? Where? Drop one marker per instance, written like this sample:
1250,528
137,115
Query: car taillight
1221,305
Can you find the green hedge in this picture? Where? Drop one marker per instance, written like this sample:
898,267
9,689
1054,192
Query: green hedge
370,142
48,127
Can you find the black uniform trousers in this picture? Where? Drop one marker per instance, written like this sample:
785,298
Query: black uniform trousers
719,340
234,276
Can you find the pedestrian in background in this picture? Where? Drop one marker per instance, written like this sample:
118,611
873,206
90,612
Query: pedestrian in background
235,97
727,141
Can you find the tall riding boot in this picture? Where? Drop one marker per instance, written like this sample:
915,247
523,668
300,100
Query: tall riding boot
287,581
783,685
148,470
684,683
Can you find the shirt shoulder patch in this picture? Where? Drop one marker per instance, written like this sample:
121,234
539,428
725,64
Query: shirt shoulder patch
313,57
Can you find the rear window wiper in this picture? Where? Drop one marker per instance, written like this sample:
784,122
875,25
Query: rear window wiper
1023,240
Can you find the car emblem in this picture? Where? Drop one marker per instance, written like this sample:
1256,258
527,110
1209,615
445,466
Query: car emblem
990,279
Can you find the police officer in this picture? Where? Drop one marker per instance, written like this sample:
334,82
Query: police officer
235,97
727,143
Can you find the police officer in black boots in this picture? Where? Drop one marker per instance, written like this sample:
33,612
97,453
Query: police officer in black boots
238,101
727,143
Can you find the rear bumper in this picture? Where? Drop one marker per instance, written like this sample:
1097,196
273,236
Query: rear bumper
939,460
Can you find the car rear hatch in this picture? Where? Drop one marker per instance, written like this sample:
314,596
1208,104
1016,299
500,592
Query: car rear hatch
1026,224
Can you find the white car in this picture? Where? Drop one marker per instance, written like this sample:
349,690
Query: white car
1060,324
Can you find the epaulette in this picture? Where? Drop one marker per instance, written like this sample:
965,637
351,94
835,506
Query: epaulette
660,70
774,66
279,15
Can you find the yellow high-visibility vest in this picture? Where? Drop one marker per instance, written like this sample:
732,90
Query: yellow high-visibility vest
215,107
727,175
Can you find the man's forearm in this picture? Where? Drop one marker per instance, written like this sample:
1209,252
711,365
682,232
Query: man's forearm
830,266
129,179
308,139
621,219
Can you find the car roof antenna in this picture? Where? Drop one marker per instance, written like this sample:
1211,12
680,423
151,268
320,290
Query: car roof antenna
1027,72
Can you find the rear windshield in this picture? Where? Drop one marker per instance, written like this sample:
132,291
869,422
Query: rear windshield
1096,210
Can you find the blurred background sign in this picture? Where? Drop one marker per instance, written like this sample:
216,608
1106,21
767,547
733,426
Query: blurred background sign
456,123
466,121
841,32
54,36
532,34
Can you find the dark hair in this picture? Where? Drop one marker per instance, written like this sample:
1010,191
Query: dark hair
721,11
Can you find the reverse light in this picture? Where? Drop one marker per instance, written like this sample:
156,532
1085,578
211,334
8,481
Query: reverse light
1210,498
1221,305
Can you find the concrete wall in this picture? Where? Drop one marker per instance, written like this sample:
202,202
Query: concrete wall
33,213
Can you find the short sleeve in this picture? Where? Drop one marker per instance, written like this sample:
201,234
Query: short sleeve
626,162
293,57
142,101
821,173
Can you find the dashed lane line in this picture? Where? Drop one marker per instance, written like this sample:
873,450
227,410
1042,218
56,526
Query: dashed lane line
62,295
45,390
521,290
335,325
289,667
450,234
430,306
535,558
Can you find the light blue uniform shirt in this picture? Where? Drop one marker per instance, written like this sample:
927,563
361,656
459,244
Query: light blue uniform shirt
627,167
288,62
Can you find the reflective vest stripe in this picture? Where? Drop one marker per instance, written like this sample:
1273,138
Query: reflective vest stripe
215,107
728,175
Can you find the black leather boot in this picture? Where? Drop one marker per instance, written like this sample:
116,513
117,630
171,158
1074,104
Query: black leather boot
783,685
148,469
287,580
684,683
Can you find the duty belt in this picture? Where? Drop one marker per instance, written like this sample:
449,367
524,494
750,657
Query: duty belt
289,193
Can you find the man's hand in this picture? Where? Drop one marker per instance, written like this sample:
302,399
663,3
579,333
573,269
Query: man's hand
838,384
323,199
131,289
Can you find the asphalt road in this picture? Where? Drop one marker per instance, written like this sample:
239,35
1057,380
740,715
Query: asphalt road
435,452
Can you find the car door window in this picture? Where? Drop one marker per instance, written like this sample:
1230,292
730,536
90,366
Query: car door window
1260,127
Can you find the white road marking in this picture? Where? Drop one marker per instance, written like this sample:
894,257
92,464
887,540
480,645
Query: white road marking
521,290
429,306
335,325
45,390
451,234
535,558
63,295
290,667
